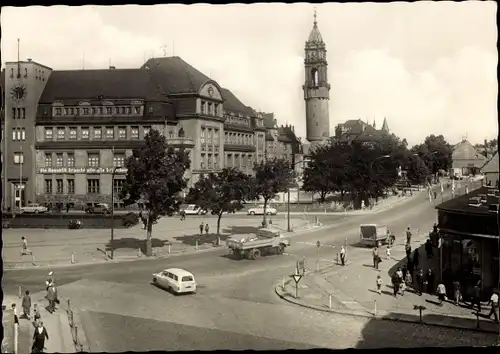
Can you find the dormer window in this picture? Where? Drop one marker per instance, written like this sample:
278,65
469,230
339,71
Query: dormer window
137,110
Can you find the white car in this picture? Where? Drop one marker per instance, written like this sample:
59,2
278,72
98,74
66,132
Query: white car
34,208
175,280
259,210
191,209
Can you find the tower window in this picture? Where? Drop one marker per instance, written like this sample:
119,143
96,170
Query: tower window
314,76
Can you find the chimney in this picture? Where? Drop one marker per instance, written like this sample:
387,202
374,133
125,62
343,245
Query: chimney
29,59
112,67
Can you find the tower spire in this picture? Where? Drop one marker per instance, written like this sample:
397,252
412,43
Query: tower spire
18,62
315,18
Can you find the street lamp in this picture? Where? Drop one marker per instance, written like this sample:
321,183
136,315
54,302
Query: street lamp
371,170
113,211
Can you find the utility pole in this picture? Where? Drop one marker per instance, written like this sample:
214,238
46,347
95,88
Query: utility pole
113,207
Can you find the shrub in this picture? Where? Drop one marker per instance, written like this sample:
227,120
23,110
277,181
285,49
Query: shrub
130,219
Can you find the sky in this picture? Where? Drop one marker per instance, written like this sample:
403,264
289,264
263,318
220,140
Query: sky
428,67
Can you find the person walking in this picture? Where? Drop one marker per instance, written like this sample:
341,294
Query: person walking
408,235
408,250
494,305
51,297
26,304
441,293
24,248
420,281
456,292
50,280
207,229
388,252
183,215
36,315
416,258
39,337
379,284
395,283
202,226
376,257
342,255
430,280
408,280
476,300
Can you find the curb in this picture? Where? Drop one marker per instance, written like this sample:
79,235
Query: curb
366,314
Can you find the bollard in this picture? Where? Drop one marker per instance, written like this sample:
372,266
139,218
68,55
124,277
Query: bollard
20,292
169,249
218,241
375,307
69,307
197,245
329,301
73,258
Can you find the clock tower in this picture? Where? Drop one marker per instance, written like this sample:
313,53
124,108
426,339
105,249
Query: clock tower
316,87
24,84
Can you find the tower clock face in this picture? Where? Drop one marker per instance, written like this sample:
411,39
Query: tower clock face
18,93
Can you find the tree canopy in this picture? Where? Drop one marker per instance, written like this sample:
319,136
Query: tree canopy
155,176
221,193
271,177
436,153
417,171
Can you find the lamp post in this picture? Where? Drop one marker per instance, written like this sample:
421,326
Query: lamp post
371,170
113,211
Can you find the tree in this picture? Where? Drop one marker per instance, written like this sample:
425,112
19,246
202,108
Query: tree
417,171
155,175
437,153
271,177
220,193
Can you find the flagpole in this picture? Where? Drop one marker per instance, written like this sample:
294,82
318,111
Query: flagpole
21,178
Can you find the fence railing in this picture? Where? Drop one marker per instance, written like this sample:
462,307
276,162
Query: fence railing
74,328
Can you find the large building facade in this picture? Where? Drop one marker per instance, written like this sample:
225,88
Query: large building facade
68,133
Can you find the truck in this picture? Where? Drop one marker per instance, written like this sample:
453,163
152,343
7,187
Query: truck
252,246
373,234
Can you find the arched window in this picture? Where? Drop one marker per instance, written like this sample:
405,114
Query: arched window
314,76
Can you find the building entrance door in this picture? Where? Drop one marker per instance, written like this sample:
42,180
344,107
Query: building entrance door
19,195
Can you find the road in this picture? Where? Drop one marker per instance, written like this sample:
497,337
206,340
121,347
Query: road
235,307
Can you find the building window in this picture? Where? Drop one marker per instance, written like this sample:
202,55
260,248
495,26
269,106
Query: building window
216,137
209,136
66,111
48,160
122,132
202,161
210,107
146,130
72,133
58,111
216,162
137,110
202,137
209,161
93,186
110,133
203,107
93,160
48,186
59,186
70,160
18,134
18,158
85,133
97,133
118,185
72,111
61,133
93,110
129,110
134,132
14,113
118,160
59,160
109,110
216,109
71,186
86,111
24,112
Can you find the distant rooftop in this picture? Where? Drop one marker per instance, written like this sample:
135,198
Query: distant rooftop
461,203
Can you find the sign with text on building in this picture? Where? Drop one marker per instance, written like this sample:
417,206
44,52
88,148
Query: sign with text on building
86,170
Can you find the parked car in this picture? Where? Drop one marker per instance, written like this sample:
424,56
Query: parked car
175,280
192,209
259,210
34,208
99,208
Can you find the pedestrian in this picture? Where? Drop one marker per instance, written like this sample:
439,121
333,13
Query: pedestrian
435,195
416,258
395,283
494,305
410,266
399,273
477,296
39,337
408,250
441,293
376,257
456,292
50,280
51,297
420,281
429,279
24,247
408,280
26,304
201,228
183,215
67,207
428,249
342,255
388,252
379,285
36,315
207,229
408,235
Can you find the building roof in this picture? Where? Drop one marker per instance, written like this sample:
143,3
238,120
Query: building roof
385,126
464,150
460,204
233,104
110,83
492,166
286,134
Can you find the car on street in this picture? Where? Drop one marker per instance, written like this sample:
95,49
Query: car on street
192,209
175,280
259,210
34,208
99,208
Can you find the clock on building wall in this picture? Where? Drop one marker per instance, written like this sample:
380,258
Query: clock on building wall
210,91
18,93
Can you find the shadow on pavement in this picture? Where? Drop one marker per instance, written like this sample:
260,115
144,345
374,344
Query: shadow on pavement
406,331
191,240
134,243
234,230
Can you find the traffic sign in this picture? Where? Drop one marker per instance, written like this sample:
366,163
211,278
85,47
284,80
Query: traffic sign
318,244
296,278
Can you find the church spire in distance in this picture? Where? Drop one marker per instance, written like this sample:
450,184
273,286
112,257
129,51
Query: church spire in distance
315,35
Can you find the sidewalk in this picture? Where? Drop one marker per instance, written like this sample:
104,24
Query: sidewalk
352,290
171,236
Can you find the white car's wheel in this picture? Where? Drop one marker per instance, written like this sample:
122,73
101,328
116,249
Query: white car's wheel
269,213
252,213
